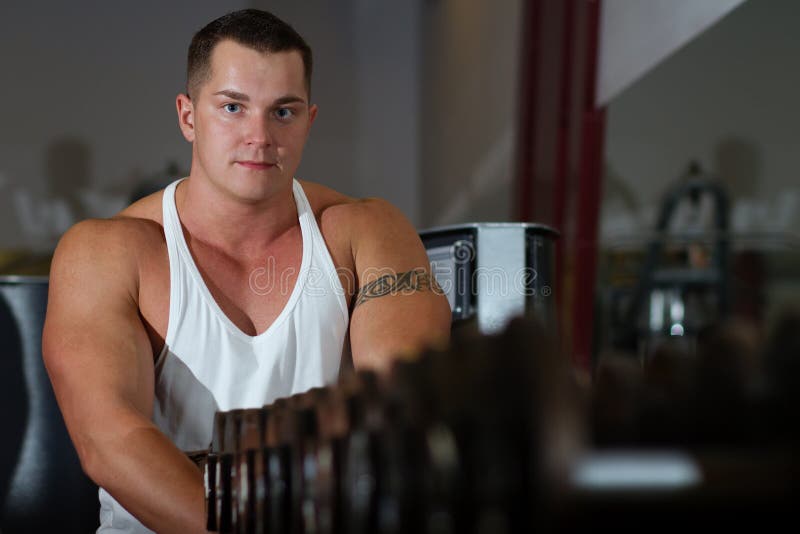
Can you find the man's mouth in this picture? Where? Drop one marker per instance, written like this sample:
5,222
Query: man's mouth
256,165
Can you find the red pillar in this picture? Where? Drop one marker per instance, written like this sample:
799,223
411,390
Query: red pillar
560,151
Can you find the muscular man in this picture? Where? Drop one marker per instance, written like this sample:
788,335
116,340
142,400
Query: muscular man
232,287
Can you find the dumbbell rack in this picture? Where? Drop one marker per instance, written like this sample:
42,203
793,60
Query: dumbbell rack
434,447
491,436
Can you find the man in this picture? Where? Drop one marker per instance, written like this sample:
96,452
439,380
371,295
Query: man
228,289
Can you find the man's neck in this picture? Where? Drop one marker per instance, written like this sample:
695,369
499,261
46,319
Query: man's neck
231,225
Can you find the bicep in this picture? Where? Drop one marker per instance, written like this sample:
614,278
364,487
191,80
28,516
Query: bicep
95,347
102,351
398,309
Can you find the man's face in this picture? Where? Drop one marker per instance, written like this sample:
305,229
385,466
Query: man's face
249,122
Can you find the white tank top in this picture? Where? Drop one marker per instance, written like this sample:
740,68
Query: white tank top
209,364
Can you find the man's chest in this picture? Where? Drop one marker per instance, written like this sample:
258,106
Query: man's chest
251,293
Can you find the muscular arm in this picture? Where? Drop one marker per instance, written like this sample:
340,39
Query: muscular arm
398,309
100,362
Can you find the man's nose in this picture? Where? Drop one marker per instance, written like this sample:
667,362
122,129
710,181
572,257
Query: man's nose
258,131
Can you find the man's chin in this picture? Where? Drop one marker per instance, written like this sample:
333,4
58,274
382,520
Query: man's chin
257,187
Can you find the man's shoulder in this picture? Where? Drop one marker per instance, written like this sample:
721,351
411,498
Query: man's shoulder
148,208
352,225
122,229
119,244
323,198
328,203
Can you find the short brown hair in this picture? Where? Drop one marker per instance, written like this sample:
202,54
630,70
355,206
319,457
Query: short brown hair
254,28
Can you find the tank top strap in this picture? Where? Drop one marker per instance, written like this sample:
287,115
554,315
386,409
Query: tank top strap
323,259
173,234
172,223
303,206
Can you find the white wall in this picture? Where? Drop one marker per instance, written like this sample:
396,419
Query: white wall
468,106
388,124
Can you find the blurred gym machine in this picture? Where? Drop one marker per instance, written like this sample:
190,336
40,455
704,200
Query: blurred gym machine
42,486
492,272
683,283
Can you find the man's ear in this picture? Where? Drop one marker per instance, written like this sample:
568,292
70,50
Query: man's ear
185,109
312,114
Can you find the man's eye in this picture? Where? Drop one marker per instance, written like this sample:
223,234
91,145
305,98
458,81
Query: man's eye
232,108
284,113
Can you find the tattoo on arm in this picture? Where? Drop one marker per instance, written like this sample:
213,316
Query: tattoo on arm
400,283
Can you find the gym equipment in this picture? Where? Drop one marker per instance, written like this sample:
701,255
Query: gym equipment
492,272
42,486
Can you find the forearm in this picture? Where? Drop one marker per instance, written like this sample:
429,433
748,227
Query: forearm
152,479
396,327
